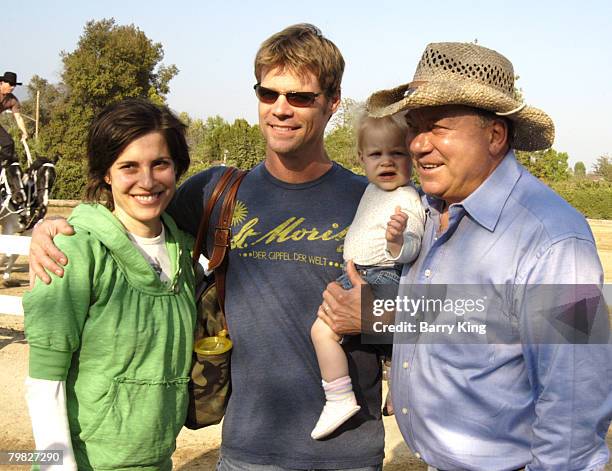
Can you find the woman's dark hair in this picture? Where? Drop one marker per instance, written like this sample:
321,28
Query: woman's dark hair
118,125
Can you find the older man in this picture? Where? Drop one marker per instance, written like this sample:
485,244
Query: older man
293,211
523,394
8,101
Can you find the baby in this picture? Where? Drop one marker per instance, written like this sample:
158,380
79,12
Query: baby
376,244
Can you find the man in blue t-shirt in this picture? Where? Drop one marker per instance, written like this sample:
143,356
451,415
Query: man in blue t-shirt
291,216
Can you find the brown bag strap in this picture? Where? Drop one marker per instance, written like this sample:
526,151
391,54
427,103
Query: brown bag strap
222,237
212,201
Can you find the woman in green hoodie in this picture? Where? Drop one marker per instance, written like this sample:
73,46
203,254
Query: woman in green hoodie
111,341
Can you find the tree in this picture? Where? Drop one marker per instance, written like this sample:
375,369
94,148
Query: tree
341,145
579,170
347,113
196,133
548,165
51,95
341,140
603,167
215,141
246,146
111,62
215,136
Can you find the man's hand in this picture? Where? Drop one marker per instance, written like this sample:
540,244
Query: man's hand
395,232
341,309
43,253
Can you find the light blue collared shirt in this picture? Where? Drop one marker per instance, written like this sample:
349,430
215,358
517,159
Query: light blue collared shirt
504,406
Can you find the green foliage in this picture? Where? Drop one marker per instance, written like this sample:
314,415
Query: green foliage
215,141
579,170
591,198
341,146
603,168
113,62
245,145
71,179
51,96
7,121
341,140
548,165
66,133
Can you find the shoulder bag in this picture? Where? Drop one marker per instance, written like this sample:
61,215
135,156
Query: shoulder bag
210,385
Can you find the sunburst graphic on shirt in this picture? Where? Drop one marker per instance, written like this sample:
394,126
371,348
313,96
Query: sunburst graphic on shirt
240,213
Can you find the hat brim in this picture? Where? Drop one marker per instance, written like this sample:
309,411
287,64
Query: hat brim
533,129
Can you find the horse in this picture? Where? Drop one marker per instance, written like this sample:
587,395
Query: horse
12,193
37,183
12,200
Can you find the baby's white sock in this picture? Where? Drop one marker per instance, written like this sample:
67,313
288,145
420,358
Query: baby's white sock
339,389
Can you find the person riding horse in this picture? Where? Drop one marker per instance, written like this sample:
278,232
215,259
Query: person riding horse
8,101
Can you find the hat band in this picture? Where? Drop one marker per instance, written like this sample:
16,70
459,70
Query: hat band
515,110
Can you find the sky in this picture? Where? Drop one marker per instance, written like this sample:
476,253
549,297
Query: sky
561,50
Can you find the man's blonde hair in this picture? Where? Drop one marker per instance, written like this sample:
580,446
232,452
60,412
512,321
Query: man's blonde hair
300,49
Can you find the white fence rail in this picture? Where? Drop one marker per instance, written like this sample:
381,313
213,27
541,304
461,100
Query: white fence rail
10,244
21,245
14,244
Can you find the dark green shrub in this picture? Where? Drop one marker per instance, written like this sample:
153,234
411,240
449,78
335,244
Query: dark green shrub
591,198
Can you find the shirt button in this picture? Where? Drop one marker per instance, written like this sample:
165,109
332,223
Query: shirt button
404,410
405,365
427,273
418,456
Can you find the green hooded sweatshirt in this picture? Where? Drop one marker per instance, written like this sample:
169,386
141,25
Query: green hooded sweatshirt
120,338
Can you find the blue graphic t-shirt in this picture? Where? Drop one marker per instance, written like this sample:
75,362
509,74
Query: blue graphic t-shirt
286,247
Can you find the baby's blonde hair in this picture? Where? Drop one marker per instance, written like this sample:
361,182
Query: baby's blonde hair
396,122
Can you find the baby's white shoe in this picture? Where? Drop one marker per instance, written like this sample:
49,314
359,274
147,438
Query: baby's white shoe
334,414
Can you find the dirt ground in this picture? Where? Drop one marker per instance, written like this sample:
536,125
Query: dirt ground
196,450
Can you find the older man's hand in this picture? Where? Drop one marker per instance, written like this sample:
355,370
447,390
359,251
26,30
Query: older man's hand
43,252
341,309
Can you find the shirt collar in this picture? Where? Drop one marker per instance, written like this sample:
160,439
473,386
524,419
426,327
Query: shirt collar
431,202
486,203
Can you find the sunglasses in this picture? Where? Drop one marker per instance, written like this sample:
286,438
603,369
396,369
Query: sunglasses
298,99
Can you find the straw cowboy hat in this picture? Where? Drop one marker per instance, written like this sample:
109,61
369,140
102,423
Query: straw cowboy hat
470,75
